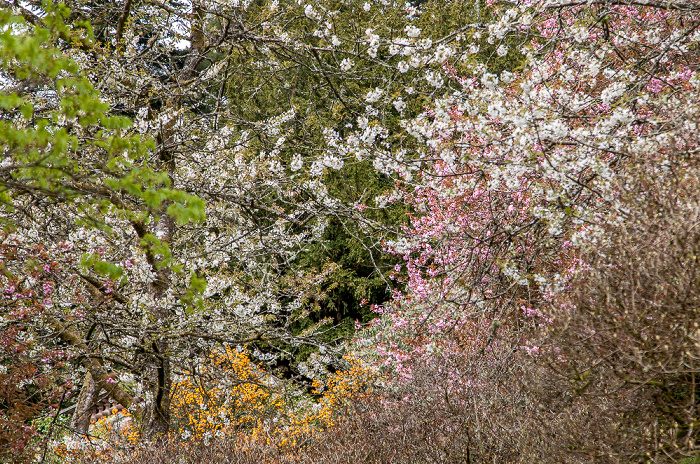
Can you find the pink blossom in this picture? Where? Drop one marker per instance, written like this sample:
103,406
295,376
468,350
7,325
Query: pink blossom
47,287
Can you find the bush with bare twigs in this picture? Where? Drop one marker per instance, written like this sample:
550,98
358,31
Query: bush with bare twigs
624,344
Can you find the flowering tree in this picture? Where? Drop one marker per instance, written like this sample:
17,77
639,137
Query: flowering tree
29,389
520,171
520,167
68,168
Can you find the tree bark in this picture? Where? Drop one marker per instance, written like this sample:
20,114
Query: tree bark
87,400
157,421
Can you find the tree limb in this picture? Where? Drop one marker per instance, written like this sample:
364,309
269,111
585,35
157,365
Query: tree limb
93,365
681,5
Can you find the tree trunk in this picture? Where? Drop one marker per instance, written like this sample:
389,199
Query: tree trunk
87,400
157,421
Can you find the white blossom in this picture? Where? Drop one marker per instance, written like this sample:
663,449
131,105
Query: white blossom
412,31
297,163
373,96
400,105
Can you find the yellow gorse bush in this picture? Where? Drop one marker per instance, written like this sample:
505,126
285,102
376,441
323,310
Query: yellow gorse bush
233,396
229,394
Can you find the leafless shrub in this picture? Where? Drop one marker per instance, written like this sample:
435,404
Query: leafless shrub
177,451
453,409
624,347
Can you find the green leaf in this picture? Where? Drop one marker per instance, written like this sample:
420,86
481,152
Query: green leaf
108,269
192,299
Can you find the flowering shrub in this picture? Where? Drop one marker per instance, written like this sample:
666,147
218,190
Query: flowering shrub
230,400
34,381
337,393
232,397
228,394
